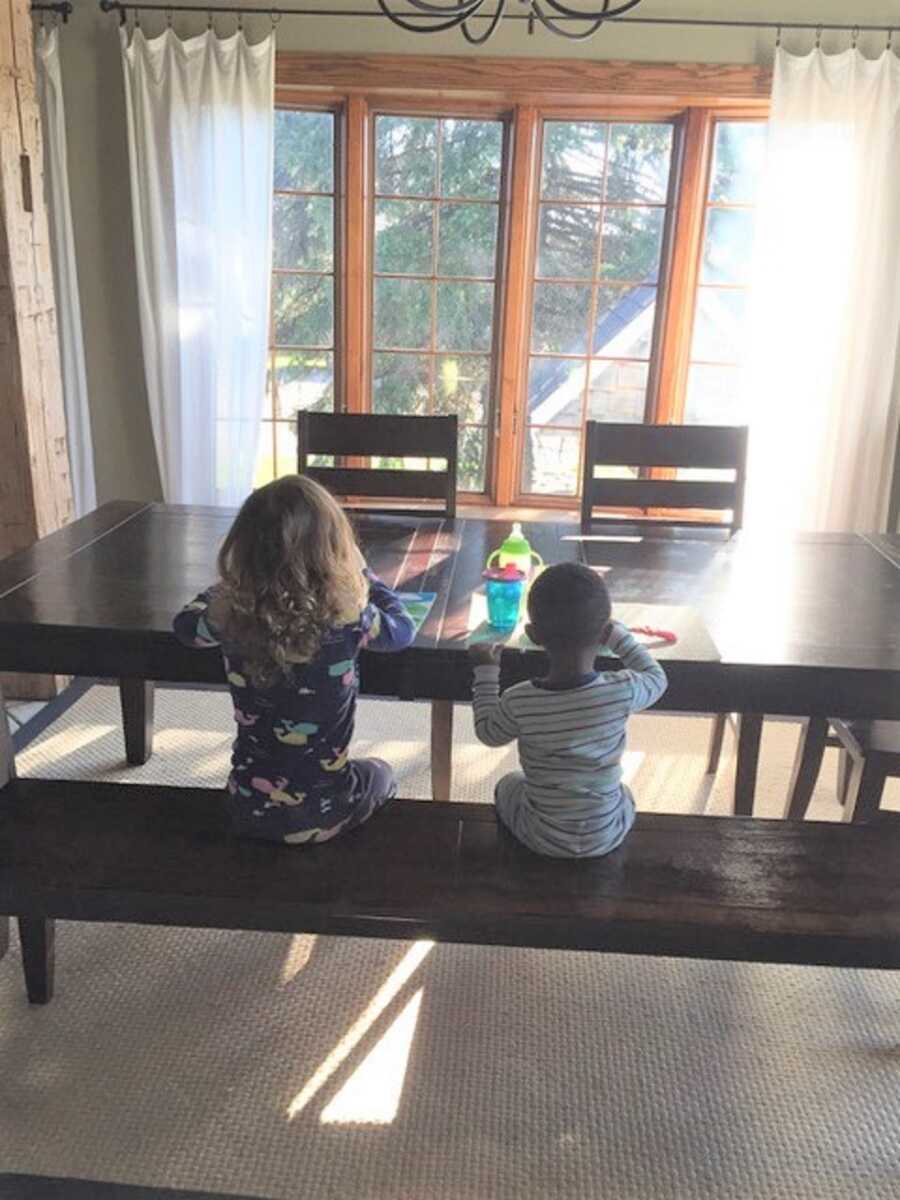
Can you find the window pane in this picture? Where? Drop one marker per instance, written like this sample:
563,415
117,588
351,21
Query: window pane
462,386
470,464
713,396
617,391
403,237
556,391
639,160
719,325
551,463
729,245
471,158
561,315
632,243
574,157
303,232
304,151
304,381
400,384
285,448
405,156
467,239
402,314
264,470
623,324
303,308
465,316
740,153
567,241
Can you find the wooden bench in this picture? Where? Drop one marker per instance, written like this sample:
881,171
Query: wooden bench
696,887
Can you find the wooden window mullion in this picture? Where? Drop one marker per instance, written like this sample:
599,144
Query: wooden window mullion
355,323
681,299
513,368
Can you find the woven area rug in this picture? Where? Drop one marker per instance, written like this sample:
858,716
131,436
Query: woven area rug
288,1067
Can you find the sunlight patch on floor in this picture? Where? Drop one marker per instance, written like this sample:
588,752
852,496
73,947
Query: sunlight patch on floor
371,1096
297,957
391,987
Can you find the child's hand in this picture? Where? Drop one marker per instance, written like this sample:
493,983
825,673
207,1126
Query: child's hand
485,654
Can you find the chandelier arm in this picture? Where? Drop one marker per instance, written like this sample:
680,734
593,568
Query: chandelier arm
479,40
451,23
565,11
549,23
444,10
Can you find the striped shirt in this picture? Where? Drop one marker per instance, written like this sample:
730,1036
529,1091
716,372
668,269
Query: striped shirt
571,743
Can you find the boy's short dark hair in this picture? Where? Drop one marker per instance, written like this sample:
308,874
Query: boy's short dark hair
569,603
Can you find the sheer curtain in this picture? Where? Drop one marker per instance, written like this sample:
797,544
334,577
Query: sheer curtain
825,304
200,129
68,304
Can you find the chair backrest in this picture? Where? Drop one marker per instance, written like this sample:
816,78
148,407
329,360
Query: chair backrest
701,447
356,435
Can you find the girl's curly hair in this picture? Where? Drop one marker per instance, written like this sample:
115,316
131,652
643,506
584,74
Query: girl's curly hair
290,569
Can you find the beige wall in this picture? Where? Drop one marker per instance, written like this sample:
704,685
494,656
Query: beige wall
98,160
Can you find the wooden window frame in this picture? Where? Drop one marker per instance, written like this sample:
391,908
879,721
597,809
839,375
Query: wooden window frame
525,92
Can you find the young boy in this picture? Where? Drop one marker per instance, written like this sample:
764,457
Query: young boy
569,800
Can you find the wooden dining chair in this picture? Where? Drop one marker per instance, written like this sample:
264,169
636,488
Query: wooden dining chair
638,449
641,448
869,756
352,436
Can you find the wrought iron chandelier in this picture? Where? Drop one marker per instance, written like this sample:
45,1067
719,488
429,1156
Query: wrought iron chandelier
552,14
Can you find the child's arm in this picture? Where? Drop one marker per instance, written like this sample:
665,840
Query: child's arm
647,678
386,624
193,626
494,723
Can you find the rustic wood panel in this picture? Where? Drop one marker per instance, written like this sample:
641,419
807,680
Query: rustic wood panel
577,81
35,489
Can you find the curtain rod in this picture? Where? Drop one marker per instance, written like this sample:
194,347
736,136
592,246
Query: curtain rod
62,8
122,7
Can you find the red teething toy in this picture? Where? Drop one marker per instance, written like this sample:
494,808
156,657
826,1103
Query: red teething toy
664,635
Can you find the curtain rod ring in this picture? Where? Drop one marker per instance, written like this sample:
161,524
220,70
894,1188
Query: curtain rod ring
818,37
275,16
854,37
240,20
137,18
168,18
209,19
778,38
890,40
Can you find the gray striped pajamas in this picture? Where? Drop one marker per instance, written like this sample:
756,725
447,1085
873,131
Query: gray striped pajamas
569,800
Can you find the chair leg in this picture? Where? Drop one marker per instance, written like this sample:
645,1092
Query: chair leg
717,737
749,737
866,787
38,938
441,748
844,771
807,765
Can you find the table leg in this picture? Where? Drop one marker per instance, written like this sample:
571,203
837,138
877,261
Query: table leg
749,737
807,765
7,772
717,737
441,748
137,697
38,938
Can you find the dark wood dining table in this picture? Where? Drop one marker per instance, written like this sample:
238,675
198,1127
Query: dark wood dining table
801,626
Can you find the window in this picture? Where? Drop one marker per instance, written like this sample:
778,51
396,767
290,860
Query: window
713,389
437,232
602,215
528,261
302,356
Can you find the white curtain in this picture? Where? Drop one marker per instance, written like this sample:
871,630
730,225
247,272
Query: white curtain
825,305
200,130
62,241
